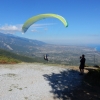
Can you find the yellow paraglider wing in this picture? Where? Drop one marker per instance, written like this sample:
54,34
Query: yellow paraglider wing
34,19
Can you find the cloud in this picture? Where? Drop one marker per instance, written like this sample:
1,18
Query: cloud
34,30
42,25
95,35
10,29
45,29
39,31
36,27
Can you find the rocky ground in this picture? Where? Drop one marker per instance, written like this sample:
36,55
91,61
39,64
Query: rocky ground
29,81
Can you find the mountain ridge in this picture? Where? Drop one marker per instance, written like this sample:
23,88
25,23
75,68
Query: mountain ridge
18,44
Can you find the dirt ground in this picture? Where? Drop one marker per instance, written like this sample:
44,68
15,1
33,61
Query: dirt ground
44,82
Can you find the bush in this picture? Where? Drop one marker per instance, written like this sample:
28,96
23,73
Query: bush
97,66
93,77
8,60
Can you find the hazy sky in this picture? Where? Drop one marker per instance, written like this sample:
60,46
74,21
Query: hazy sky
83,18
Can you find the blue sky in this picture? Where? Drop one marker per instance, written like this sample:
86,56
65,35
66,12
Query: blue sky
83,17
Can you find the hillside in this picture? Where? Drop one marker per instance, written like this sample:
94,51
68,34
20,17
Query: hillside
9,57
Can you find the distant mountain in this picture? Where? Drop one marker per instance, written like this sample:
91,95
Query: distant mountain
60,54
18,44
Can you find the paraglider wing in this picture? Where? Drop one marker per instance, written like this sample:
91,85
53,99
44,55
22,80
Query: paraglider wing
34,19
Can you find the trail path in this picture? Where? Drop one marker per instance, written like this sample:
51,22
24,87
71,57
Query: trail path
37,82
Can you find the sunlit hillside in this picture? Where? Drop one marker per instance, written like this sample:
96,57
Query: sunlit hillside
7,57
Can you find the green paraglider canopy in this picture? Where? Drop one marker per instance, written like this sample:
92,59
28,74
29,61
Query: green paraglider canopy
34,19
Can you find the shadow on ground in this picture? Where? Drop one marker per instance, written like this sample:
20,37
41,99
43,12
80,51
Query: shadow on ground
69,85
63,83
90,87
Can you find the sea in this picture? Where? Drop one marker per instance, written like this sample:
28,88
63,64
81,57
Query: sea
95,46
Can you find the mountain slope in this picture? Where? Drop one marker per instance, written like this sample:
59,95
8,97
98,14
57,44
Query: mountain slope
18,44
